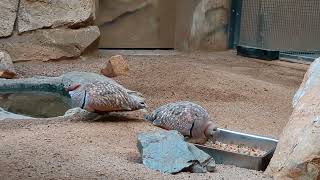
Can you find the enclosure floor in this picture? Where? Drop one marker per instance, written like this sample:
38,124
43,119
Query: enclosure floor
239,93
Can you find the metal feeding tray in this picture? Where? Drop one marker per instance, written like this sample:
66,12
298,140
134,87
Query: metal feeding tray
241,160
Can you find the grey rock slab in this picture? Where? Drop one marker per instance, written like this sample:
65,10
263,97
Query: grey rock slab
167,152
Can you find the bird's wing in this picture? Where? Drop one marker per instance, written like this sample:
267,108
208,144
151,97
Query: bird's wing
107,97
173,118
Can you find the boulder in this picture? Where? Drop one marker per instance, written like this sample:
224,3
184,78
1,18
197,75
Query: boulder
8,14
38,14
6,66
310,80
167,152
49,44
116,66
297,155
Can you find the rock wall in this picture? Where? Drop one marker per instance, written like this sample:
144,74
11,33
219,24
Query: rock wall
54,29
298,152
47,29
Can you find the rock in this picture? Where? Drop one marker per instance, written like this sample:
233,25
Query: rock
167,152
37,14
6,66
297,155
8,13
8,115
116,66
49,44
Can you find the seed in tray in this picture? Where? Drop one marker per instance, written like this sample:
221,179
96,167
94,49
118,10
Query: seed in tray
242,149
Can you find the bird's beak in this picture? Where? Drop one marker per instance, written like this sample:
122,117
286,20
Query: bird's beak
73,87
214,134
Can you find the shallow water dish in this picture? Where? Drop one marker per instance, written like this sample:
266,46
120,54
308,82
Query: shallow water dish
241,160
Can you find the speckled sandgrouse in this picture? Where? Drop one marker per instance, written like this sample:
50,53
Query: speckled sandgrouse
101,96
186,117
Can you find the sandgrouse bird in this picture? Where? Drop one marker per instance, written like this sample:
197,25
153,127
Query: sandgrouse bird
103,97
188,118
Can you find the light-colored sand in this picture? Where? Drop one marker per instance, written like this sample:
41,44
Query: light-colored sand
242,94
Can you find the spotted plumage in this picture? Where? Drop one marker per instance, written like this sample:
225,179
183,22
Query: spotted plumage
101,96
186,117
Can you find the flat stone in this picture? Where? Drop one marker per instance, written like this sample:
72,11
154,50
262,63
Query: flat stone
8,14
6,66
116,66
38,14
298,152
167,152
49,44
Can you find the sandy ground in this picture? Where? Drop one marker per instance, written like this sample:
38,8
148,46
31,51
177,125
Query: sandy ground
241,94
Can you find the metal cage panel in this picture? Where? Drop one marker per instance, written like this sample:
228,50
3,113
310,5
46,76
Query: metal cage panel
288,26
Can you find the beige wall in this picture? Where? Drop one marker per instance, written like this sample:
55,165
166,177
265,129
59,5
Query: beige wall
185,25
136,23
202,25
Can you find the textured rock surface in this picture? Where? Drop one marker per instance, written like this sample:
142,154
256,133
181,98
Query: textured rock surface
6,66
116,66
49,44
202,25
8,13
167,152
37,14
298,152
311,79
